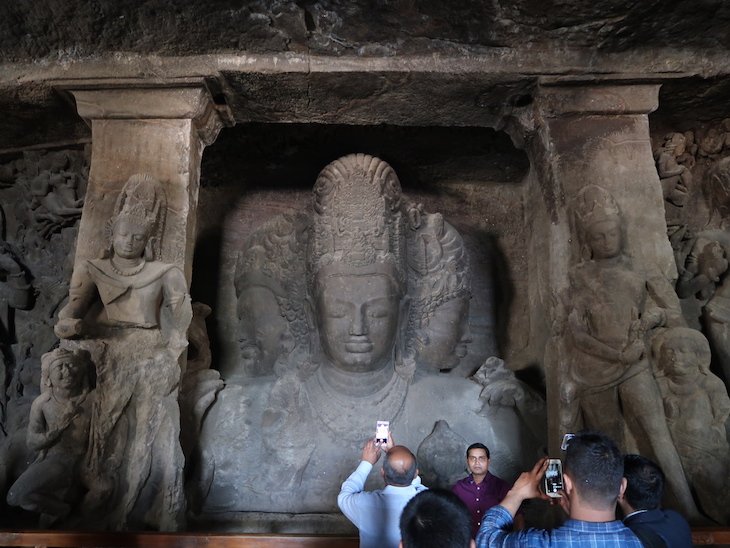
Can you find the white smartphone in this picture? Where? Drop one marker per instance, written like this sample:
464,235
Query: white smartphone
553,482
381,431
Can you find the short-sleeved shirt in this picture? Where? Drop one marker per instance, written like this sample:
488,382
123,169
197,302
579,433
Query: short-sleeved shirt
480,497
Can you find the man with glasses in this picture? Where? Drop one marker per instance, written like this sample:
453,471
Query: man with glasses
480,490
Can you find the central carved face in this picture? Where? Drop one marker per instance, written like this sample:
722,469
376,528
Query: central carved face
129,239
358,320
604,238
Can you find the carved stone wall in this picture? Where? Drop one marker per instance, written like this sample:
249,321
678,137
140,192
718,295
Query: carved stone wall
498,256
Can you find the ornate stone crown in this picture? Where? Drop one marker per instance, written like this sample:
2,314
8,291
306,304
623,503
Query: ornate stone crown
594,204
357,217
143,203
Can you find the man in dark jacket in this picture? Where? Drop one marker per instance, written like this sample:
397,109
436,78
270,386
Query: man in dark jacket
655,527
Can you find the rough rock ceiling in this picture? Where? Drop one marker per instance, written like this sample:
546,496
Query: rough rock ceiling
33,29
400,62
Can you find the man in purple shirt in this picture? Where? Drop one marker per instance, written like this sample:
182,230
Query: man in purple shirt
480,490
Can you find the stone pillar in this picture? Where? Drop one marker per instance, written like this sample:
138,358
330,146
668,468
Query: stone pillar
160,130
147,144
578,135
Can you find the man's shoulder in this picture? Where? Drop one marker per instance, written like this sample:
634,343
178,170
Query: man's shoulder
463,481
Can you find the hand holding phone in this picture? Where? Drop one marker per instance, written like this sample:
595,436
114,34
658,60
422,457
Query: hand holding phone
553,480
382,430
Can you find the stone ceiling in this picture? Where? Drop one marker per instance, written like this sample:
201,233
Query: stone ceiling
401,62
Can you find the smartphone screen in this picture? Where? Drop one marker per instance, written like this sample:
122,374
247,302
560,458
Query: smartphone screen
381,431
554,478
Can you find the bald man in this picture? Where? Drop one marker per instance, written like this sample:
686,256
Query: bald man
376,514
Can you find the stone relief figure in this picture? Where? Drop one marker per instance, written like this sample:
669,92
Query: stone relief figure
674,163
439,280
16,293
139,307
705,273
676,178
270,291
55,203
697,408
345,360
612,308
58,430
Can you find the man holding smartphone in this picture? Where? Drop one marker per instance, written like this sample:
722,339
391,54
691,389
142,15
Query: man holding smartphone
593,478
376,514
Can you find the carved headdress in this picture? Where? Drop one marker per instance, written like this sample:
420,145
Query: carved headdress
438,265
357,218
143,203
81,358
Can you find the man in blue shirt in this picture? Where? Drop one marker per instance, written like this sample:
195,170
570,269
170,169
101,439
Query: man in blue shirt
655,527
593,479
377,513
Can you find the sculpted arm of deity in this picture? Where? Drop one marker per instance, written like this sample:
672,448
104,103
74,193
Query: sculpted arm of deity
176,312
630,353
82,295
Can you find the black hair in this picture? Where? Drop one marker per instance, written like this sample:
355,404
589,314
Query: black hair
596,466
399,478
477,446
435,518
645,482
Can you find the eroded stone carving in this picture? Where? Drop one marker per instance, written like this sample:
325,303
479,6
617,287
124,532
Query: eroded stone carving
140,309
611,310
697,408
58,430
439,280
344,357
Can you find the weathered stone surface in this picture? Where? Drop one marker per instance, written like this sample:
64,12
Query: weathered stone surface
329,346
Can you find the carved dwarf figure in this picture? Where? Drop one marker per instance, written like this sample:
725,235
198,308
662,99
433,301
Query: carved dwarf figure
140,309
59,431
697,408
611,311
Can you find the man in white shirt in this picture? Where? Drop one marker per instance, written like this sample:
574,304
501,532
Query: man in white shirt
377,513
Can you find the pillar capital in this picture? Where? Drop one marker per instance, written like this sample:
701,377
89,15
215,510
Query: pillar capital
141,99
576,98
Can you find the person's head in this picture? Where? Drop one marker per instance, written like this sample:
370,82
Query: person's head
644,483
399,466
435,518
477,459
594,469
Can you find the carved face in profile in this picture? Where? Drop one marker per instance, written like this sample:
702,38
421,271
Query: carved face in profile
604,238
128,239
442,343
261,329
358,319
